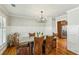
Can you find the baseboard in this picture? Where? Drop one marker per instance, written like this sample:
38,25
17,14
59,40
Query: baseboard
72,52
4,47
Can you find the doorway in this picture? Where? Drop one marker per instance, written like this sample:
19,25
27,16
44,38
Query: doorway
62,34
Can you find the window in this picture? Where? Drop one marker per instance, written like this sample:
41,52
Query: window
2,30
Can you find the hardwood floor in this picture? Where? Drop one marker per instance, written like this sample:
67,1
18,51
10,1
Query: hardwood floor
10,51
61,49
62,43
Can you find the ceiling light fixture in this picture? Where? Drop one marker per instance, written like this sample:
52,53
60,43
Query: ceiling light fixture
42,17
13,5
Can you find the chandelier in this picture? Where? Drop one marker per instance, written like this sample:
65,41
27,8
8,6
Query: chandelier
42,17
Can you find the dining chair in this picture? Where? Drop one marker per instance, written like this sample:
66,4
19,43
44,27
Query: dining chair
49,44
38,44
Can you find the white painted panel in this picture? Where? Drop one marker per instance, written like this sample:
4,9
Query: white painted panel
73,31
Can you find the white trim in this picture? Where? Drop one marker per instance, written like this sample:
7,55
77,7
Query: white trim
72,9
3,48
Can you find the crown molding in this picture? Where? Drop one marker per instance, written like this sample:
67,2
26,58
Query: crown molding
71,10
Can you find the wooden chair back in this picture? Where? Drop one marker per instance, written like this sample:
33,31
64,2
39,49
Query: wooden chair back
49,44
31,34
38,43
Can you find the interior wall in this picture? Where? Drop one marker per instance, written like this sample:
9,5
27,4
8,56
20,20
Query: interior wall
3,46
73,30
50,26
29,24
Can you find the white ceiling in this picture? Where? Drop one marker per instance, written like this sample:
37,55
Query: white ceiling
34,9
